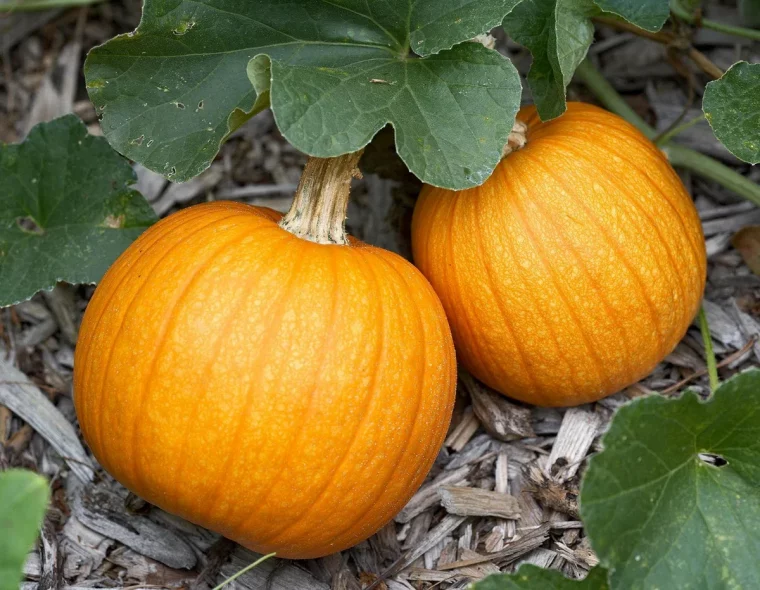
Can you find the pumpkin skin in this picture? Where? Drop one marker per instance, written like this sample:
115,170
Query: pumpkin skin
574,269
289,395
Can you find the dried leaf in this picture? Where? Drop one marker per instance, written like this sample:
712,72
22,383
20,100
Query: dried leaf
747,242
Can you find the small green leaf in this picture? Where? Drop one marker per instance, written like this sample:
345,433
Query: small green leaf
558,34
531,577
334,74
647,14
24,497
673,500
66,209
732,107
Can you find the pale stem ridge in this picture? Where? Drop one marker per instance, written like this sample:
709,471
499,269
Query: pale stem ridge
318,213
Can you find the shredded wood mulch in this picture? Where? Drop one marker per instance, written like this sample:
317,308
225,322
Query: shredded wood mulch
504,489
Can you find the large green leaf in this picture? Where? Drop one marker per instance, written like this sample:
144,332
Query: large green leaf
673,500
24,498
341,70
558,34
531,577
66,209
732,107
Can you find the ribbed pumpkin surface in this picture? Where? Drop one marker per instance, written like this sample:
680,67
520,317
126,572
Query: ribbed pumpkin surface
574,269
289,395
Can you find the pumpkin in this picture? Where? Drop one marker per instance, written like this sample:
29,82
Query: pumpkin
287,388
574,269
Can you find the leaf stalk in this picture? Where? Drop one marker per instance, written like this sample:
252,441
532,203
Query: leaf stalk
684,14
712,366
668,135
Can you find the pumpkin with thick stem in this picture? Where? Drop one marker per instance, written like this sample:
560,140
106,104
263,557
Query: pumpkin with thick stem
574,269
281,384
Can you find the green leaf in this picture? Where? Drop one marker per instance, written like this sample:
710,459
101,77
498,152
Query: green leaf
673,500
558,34
437,26
647,14
24,497
749,10
732,107
336,72
531,577
66,209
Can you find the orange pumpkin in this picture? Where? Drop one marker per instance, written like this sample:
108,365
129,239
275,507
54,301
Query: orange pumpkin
289,394
574,269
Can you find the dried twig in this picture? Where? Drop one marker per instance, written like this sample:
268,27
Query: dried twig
218,555
435,536
427,495
25,400
511,552
669,39
725,362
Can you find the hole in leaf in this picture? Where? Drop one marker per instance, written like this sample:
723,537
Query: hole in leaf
183,27
29,225
712,459
114,221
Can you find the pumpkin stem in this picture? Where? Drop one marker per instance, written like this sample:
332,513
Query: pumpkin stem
517,139
318,213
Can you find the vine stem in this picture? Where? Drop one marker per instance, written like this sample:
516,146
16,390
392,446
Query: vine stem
318,213
712,366
249,567
678,155
665,137
35,5
684,14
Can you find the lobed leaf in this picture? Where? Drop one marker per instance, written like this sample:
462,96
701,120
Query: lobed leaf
558,34
531,577
673,500
334,72
24,497
66,209
732,107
